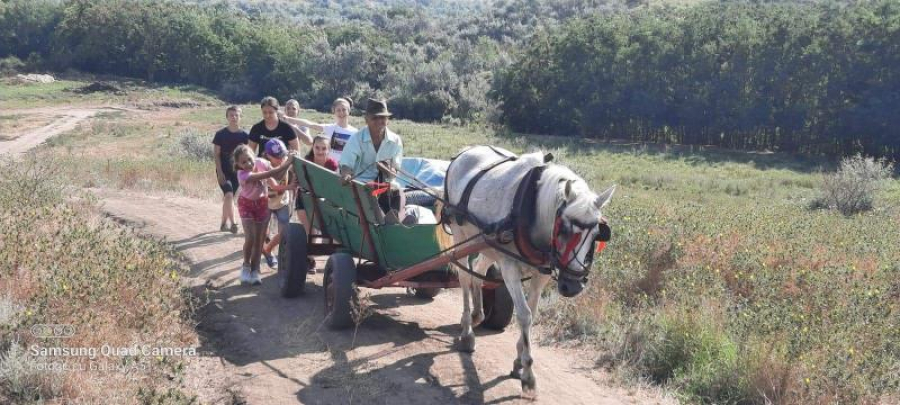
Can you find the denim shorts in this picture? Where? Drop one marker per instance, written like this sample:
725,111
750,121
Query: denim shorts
231,183
282,215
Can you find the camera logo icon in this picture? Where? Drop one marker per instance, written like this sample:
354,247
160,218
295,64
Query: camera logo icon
58,331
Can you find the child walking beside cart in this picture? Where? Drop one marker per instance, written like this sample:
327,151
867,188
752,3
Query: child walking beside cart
225,141
281,189
253,206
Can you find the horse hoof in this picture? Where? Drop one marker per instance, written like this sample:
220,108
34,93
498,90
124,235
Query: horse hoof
466,344
529,389
477,319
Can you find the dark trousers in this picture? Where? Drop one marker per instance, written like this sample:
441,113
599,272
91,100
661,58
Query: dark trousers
389,200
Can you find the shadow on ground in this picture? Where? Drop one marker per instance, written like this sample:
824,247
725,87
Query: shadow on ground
391,361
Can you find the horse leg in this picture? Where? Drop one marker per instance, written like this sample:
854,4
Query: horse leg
467,337
535,286
482,264
512,277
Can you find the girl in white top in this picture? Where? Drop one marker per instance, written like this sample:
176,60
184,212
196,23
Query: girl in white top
338,133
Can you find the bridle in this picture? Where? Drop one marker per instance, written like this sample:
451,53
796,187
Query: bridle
561,255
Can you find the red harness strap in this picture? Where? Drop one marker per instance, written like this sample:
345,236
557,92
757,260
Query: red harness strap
378,188
573,242
570,246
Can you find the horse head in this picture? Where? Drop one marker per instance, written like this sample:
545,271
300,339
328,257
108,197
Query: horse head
579,231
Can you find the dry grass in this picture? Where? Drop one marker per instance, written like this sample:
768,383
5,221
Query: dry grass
63,263
14,124
360,309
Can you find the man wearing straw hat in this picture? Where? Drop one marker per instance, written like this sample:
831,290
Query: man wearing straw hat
374,155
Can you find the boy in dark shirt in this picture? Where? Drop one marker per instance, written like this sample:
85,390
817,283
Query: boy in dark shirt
225,141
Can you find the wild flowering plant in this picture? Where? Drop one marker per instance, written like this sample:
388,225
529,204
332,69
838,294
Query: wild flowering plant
62,263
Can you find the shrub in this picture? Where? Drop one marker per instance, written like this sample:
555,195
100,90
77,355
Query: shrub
851,189
693,352
8,310
194,144
11,65
20,382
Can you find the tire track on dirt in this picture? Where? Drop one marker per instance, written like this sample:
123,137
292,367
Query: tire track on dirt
34,137
277,351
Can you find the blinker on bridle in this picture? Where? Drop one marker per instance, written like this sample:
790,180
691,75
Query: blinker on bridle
575,242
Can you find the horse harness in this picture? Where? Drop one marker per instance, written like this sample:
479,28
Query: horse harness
520,220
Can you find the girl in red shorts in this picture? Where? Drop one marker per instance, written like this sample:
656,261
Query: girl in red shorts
253,206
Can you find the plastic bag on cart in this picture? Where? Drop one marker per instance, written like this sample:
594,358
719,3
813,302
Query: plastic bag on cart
427,172
418,215
431,172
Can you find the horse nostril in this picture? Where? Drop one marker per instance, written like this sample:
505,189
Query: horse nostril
569,288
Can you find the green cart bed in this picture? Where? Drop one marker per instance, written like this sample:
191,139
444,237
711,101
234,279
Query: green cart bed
364,251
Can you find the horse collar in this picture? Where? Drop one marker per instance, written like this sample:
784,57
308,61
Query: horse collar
525,210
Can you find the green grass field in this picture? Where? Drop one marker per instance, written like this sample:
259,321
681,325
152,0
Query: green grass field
66,92
719,282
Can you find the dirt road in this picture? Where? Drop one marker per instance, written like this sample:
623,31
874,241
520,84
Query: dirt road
69,119
277,351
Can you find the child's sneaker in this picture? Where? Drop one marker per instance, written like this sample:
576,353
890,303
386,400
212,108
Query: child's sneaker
271,261
245,275
254,278
223,227
234,228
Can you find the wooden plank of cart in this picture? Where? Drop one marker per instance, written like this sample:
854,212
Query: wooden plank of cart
366,252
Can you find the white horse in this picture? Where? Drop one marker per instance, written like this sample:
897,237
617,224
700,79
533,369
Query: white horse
565,226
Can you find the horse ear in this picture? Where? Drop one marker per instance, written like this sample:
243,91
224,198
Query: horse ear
569,190
604,197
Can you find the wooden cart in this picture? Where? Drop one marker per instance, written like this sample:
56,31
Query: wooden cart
366,252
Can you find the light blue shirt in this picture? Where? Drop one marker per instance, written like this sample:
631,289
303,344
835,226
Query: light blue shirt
360,156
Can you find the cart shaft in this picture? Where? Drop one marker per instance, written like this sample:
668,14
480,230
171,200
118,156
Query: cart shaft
461,251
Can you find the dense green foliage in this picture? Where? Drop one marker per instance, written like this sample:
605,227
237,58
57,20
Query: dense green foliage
817,77
811,76
434,61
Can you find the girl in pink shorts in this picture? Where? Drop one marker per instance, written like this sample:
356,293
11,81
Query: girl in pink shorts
253,206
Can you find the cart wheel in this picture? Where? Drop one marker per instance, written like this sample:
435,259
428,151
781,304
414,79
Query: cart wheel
340,292
426,293
497,304
292,264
